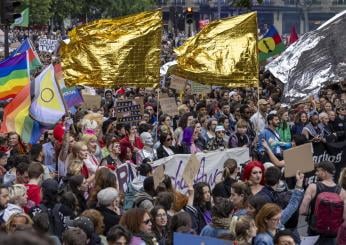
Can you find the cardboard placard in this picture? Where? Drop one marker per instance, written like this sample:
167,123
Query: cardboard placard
159,175
129,111
91,102
169,106
298,158
191,169
177,83
198,88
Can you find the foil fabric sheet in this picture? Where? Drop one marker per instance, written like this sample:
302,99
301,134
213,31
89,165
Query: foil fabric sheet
317,59
114,52
224,53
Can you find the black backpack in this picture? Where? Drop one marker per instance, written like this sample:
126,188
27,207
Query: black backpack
56,224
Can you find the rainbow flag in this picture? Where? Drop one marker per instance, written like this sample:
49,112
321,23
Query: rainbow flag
270,45
34,59
16,118
14,75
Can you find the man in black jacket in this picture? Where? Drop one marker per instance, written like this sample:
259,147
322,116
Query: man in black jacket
108,206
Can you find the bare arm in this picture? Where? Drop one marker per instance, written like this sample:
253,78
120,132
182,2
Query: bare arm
343,197
65,145
271,155
309,195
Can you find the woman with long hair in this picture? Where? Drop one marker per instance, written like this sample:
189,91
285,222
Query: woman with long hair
190,136
253,175
229,177
103,178
301,121
200,211
186,120
75,160
138,221
221,220
245,230
267,222
16,221
93,157
160,224
180,221
240,192
284,129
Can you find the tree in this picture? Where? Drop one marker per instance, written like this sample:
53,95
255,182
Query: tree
39,11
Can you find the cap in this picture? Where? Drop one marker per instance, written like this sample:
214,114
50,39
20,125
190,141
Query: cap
327,166
84,223
219,128
262,102
106,196
232,93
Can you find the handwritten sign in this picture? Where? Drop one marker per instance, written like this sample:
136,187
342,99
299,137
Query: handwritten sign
298,158
198,88
169,106
47,45
210,170
158,175
91,102
129,111
191,169
177,83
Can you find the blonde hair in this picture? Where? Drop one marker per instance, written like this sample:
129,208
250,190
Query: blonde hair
75,166
17,215
241,123
342,179
15,192
86,138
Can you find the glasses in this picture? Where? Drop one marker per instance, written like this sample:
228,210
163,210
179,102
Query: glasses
169,139
247,112
161,215
275,220
147,221
342,109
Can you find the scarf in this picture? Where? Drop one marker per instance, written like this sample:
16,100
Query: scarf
147,238
223,223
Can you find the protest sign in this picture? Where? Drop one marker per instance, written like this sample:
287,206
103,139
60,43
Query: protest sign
198,88
129,111
191,169
309,240
47,45
169,106
72,97
91,102
333,152
177,83
210,171
183,238
298,158
159,175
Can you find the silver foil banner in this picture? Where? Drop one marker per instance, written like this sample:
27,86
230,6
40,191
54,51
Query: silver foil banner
317,59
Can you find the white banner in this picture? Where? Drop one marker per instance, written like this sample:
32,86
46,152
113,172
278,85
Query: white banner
47,45
209,172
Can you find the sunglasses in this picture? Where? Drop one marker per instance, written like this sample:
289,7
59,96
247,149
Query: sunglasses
147,221
169,139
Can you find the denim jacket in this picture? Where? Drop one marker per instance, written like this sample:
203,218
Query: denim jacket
292,206
264,238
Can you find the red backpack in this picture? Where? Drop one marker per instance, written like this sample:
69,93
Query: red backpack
328,213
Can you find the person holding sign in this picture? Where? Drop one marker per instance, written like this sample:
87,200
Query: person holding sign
200,211
132,138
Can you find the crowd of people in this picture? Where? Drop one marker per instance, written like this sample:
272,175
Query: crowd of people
65,190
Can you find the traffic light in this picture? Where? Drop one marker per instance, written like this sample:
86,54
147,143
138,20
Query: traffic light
189,15
10,10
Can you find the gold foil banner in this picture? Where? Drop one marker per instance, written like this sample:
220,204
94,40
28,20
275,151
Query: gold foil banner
115,52
224,53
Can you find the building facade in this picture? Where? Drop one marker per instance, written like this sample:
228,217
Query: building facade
305,15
